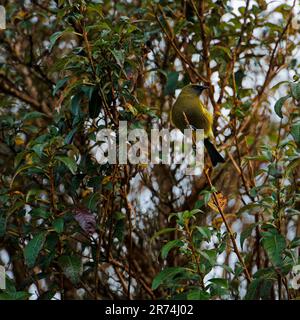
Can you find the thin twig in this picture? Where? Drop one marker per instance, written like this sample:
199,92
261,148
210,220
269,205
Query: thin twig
184,60
138,278
205,45
235,247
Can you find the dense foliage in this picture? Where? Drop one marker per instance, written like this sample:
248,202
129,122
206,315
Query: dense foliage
72,228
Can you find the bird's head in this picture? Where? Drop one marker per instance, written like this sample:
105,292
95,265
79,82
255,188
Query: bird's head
194,89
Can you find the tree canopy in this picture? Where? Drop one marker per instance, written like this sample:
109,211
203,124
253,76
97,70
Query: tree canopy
73,228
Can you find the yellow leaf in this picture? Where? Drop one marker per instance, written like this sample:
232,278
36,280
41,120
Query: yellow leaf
18,192
221,200
212,205
106,180
21,15
131,108
86,192
28,159
217,222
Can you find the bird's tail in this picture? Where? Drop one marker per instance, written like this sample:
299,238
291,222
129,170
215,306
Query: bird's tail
213,153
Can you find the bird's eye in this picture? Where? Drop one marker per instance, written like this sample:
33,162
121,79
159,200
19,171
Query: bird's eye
198,89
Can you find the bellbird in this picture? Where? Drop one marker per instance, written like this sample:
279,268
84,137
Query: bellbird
189,108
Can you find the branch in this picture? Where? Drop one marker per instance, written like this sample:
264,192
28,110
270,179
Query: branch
205,45
171,39
138,278
6,86
236,54
267,78
236,250
269,75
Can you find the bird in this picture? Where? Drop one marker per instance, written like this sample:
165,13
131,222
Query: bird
189,108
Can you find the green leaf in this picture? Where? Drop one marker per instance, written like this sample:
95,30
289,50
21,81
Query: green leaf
33,249
119,56
169,246
10,285
274,27
68,162
171,85
277,85
205,232
23,168
295,132
246,233
39,148
220,51
40,212
210,256
279,104
283,8
2,225
260,286
75,104
218,287
295,90
220,282
274,244
19,157
292,166
92,201
166,274
206,196
70,135
72,267
20,295
58,225
295,243
253,290
54,37
198,295
199,204
274,170
33,115
48,295
95,104
190,214
160,232
59,85
239,76
33,193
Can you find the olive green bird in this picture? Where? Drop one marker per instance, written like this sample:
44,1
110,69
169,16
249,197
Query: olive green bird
189,108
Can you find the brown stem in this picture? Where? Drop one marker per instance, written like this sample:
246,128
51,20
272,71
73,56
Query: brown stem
271,66
236,250
138,278
206,56
184,60
194,254
52,189
6,86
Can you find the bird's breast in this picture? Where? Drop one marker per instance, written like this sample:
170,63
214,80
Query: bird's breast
192,111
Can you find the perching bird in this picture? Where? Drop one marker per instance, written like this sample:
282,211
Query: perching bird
189,108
